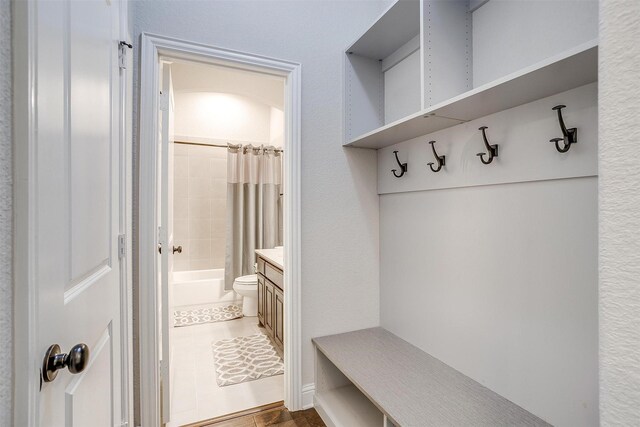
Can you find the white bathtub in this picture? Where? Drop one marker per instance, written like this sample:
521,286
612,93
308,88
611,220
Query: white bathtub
200,287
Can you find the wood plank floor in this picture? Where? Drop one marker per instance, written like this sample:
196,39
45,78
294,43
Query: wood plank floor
278,416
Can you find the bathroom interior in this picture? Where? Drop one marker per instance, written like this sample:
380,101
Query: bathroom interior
226,142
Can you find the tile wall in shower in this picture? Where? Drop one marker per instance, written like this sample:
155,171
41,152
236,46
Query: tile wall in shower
200,198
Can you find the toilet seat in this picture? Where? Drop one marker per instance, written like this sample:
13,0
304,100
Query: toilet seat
250,279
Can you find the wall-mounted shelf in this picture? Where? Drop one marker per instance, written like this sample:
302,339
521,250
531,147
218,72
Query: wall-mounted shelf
569,70
394,28
416,54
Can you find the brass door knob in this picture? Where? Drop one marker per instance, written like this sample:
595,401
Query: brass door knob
76,360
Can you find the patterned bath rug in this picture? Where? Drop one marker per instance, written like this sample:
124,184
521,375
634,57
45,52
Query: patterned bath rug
188,317
243,359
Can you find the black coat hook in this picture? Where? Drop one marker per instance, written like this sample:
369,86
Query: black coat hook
492,150
403,166
124,43
569,136
440,159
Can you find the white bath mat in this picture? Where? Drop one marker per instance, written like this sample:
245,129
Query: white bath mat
243,359
188,317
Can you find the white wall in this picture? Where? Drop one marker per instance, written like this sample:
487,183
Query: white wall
339,199
276,127
619,213
221,116
503,32
500,282
6,231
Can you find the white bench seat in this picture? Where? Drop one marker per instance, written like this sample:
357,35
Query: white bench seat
372,377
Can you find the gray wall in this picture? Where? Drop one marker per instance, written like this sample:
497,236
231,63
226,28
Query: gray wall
6,232
500,282
619,213
339,201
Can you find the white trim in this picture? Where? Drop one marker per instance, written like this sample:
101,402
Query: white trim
26,371
153,48
126,222
308,392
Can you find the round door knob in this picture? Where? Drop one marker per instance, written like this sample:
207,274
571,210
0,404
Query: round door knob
177,249
76,360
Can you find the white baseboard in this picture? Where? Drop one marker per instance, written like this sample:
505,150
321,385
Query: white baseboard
308,391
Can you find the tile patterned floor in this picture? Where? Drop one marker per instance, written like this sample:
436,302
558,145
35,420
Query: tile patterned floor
195,395
280,417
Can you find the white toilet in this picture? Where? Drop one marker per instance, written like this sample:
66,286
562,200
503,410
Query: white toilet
247,286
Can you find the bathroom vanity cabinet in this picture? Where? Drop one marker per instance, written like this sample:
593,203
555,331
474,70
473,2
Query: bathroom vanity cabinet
271,295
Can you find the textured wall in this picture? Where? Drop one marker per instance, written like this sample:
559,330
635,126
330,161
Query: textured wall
339,200
619,212
6,285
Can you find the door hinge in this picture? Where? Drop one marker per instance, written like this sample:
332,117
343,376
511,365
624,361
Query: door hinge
163,101
122,246
122,53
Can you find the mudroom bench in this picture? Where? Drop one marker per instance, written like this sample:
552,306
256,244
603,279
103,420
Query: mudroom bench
371,377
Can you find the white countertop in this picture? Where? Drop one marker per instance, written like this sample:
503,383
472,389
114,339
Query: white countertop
274,256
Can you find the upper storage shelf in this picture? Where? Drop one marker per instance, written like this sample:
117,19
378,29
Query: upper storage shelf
383,80
394,28
426,65
569,70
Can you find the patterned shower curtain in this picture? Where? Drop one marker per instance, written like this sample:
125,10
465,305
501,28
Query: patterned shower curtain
254,211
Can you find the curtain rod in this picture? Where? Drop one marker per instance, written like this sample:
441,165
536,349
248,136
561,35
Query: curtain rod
204,144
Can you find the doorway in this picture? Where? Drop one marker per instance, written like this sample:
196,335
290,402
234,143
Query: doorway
207,115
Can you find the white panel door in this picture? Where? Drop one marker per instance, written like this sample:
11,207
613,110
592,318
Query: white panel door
165,197
76,209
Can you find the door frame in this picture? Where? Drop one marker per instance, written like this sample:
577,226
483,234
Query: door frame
153,48
27,356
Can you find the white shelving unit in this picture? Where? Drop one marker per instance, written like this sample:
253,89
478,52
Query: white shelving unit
347,406
396,68
383,80
394,28
567,71
391,95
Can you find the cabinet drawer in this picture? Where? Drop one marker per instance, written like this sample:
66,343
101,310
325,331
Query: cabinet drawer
274,274
261,264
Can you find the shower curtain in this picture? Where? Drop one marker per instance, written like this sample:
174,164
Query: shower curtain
254,209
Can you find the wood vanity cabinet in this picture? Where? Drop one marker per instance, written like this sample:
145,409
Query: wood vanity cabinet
261,299
268,307
271,301
278,313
